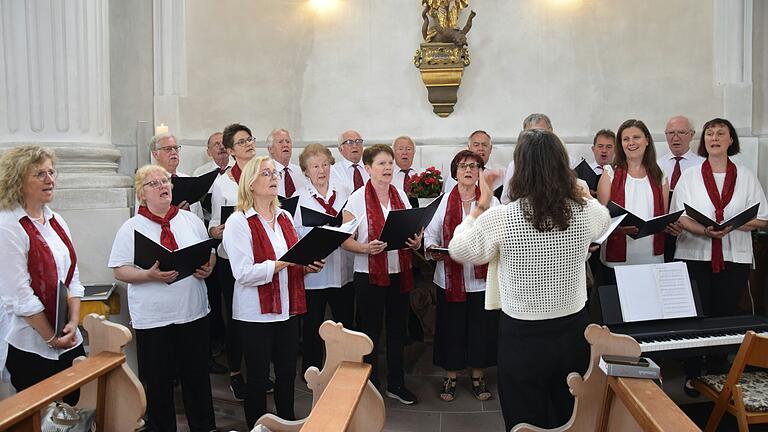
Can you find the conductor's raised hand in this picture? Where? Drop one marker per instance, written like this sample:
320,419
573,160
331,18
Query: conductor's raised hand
486,193
315,267
155,274
415,241
376,247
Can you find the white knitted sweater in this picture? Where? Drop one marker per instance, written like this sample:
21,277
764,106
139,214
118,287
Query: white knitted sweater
532,275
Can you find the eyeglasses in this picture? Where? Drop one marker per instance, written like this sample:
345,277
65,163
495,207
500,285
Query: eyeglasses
269,173
44,174
157,184
470,166
245,141
679,133
169,149
358,141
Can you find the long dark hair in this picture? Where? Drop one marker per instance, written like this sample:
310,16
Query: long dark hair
543,181
649,157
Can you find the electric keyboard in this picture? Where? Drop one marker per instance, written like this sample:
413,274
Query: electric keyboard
688,337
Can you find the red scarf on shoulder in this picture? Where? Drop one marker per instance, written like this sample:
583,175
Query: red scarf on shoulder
269,293
454,272
720,201
378,266
236,172
167,238
42,265
617,242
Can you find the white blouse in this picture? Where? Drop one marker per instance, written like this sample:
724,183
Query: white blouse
17,298
337,271
737,245
433,236
249,275
356,206
638,200
223,193
157,304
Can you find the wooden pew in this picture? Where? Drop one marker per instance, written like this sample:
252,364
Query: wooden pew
107,385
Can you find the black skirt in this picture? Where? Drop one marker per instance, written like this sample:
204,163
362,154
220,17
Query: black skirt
466,335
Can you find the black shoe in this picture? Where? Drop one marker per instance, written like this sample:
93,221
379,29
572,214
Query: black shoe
402,394
270,386
237,386
215,367
689,389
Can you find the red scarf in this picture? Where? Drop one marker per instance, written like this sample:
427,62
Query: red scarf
166,235
720,202
378,270
617,242
328,206
41,265
236,172
454,272
269,293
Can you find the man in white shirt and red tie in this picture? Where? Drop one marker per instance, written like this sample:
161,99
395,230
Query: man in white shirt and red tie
603,148
404,149
679,133
348,170
280,148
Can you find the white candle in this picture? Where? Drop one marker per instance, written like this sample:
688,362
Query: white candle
162,129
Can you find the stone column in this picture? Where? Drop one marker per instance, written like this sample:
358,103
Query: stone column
54,91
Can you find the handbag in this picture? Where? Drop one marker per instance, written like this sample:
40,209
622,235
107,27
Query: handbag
60,417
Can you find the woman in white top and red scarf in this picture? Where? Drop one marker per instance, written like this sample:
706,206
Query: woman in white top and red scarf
36,253
636,183
465,333
719,261
269,294
169,315
383,280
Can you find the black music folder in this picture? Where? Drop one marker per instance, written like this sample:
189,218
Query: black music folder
206,203
313,218
289,204
319,243
497,193
645,227
192,189
62,309
185,260
403,224
586,173
734,222
226,212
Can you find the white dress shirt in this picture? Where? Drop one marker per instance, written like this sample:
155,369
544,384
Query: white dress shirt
433,236
17,298
249,275
157,304
689,160
398,176
337,271
596,167
342,173
737,245
298,177
356,206
223,193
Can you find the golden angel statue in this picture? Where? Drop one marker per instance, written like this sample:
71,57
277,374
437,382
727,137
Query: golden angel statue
445,15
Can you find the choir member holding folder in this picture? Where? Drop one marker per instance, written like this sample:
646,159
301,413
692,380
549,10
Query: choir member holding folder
383,280
170,316
269,294
636,183
718,261
239,142
465,333
535,248
333,285
36,253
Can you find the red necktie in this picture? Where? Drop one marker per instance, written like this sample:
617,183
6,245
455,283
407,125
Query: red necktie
406,180
357,178
675,173
290,188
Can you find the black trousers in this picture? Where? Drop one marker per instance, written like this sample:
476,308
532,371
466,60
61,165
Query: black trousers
466,335
234,346
218,330
28,369
377,305
720,294
535,357
276,342
176,350
342,303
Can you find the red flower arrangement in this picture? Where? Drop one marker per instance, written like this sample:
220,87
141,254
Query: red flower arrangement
428,184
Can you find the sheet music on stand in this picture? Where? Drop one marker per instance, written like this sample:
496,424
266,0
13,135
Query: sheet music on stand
655,291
